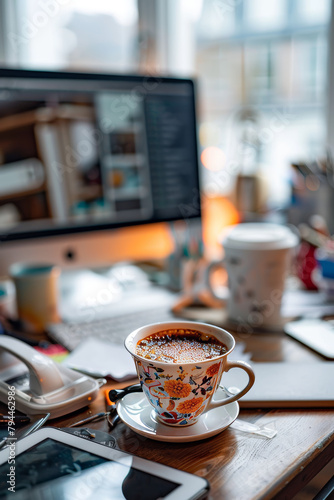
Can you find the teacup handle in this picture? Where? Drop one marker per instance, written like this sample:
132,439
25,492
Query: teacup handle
235,397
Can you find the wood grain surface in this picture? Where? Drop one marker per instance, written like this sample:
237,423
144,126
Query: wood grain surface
239,465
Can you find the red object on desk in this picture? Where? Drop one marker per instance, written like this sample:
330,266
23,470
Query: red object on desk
305,264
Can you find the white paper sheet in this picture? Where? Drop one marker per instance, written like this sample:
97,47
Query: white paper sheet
102,359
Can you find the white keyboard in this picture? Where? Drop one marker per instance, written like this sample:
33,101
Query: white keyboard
115,329
108,306
115,322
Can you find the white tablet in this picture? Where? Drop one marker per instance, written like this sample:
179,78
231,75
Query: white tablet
51,464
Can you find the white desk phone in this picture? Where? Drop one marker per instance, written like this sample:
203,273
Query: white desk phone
41,385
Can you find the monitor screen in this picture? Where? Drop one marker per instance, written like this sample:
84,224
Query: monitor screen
86,152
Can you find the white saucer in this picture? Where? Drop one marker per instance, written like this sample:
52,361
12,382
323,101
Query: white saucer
138,414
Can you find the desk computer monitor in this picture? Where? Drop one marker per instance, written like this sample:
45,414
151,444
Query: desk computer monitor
84,157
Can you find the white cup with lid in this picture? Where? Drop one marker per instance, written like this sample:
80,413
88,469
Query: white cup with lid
257,259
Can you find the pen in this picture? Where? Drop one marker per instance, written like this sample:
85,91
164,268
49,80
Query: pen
36,425
18,419
3,442
89,419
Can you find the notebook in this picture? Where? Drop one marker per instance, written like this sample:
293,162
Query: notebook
285,385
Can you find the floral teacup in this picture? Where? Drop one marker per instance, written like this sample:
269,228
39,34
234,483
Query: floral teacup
181,392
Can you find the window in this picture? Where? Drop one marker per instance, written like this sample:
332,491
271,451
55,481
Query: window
261,67
262,70
76,34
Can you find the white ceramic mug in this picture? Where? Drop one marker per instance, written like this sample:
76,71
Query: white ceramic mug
181,392
257,259
36,293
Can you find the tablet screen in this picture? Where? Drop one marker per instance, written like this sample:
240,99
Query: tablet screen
54,470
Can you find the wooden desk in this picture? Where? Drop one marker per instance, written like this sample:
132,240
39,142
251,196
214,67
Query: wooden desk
242,466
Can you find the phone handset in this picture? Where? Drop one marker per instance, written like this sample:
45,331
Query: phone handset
44,374
53,388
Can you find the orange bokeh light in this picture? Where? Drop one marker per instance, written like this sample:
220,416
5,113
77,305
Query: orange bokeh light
213,158
217,213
